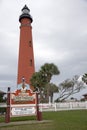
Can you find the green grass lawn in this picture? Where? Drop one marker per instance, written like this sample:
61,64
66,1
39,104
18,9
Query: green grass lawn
62,120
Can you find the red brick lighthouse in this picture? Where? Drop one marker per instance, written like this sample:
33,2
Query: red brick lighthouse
24,95
26,56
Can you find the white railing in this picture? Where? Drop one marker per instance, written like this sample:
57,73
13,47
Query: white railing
63,106
58,106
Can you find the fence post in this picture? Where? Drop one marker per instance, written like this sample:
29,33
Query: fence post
86,104
70,105
55,107
7,116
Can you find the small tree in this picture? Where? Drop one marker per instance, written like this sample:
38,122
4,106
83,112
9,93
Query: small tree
2,99
69,87
84,78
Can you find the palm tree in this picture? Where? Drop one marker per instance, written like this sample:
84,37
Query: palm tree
49,90
43,77
48,70
39,82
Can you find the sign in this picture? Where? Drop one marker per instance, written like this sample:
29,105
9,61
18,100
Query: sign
23,101
18,97
23,95
21,111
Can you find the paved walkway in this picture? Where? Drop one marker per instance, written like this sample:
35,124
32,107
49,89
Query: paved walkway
23,122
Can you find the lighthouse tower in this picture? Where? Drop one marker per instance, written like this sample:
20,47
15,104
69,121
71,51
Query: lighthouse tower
26,56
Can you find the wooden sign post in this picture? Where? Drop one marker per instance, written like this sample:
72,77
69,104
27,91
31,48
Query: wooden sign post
7,116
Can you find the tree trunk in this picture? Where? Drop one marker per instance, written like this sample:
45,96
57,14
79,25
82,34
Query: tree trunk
51,98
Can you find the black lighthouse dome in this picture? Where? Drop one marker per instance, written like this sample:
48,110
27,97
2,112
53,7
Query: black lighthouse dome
25,14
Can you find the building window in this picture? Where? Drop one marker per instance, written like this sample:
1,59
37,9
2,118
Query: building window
30,44
30,62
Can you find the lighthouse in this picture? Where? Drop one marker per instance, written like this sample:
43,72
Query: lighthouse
26,56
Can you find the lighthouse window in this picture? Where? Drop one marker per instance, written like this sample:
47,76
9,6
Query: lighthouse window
30,62
30,43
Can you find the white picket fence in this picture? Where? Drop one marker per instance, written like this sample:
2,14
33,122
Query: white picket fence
63,106
58,106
